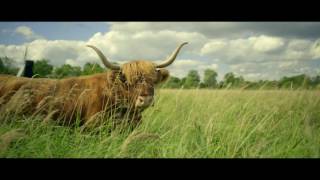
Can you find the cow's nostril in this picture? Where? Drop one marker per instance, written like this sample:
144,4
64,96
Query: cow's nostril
144,101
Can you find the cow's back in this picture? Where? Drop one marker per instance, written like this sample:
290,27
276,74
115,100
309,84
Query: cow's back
87,95
10,84
65,96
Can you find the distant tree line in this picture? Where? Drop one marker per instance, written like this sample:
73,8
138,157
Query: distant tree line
231,81
7,66
43,69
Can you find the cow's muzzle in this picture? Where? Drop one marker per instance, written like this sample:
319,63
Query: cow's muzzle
144,101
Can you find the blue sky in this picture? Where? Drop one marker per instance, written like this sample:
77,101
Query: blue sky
51,30
254,50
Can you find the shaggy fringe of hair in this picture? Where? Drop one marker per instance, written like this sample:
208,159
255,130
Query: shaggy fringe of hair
133,70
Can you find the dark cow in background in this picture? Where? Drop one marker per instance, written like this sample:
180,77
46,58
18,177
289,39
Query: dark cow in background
124,91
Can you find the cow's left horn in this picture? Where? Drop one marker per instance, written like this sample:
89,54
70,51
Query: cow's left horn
104,59
172,57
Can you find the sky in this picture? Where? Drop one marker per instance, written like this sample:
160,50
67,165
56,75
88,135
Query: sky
254,50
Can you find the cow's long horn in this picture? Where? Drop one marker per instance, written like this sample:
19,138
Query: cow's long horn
104,59
172,57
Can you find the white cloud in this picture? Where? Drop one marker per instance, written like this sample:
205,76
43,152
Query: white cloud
299,44
315,50
249,54
266,44
253,76
253,71
27,33
58,51
72,62
234,30
297,50
287,64
230,51
148,45
292,55
261,49
213,66
13,51
180,68
213,46
187,62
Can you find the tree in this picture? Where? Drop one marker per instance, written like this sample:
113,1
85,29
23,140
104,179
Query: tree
315,81
192,79
306,82
183,80
295,82
42,68
228,79
173,82
67,70
238,81
220,84
92,68
210,78
2,67
7,66
202,85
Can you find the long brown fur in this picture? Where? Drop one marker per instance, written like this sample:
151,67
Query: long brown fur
84,96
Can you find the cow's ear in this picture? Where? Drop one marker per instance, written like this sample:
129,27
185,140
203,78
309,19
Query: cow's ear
163,75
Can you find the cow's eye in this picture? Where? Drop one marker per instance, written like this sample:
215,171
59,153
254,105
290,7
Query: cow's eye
141,79
158,75
122,78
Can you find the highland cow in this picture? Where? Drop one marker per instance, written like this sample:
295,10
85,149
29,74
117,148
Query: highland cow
125,90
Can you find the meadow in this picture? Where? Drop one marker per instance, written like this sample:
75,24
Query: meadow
184,124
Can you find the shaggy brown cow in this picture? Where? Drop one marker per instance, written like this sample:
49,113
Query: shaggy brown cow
123,91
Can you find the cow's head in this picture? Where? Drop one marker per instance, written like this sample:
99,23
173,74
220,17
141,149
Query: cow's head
140,77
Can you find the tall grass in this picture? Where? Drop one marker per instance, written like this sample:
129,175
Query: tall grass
184,123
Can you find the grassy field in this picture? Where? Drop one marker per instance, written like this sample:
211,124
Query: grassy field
185,124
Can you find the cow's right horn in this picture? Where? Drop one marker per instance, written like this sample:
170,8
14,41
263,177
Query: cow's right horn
104,59
170,60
